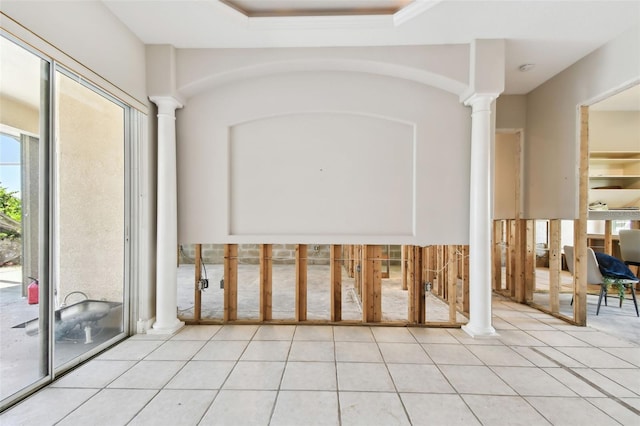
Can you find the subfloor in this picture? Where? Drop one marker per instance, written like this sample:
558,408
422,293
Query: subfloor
538,370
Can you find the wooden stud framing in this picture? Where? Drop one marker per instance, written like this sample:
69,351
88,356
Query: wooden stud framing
497,254
358,269
465,279
444,288
511,257
371,283
404,267
419,298
230,282
266,292
336,282
352,255
197,297
580,225
521,259
555,264
440,262
530,260
608,243
416,302
411,304
452,281
301,282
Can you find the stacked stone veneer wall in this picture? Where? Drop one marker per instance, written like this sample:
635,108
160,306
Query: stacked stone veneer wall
318,254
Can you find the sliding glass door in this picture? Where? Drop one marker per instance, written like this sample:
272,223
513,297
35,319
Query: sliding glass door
24,307
89,218
63,220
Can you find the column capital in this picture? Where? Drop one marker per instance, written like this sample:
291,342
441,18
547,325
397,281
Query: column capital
166,104
480,101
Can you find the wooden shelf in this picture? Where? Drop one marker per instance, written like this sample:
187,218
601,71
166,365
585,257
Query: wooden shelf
614,155
615,197
615,169
614,214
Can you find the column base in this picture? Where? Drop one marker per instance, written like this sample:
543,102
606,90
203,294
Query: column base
480,333
166,329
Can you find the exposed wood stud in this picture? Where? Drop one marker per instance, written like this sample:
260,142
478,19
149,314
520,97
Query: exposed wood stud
497,254
376,254
301,282
357,269
512,257
465,279
403,266
608,241
555,264
336,282
411,284
452,280
266,292
530,266
416,302
520,260
197,299
440,262
580,225
371,283
421,308
230,282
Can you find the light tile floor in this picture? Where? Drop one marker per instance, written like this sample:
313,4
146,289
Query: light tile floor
538,371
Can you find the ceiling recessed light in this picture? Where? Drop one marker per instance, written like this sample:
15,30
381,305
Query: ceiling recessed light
526,67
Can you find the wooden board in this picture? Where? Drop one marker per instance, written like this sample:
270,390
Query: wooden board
230,282
452,281
197,297
266,292
336,282
555,264
301,282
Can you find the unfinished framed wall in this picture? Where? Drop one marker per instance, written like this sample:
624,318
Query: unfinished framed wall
354,276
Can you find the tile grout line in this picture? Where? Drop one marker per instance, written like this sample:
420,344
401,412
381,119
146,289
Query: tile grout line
335,364
395,387
172,377
105,387
284,369
590,383
204,413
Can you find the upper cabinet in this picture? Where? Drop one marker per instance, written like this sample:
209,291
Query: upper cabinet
614,154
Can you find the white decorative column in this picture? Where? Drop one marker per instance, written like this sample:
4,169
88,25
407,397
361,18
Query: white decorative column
167,219
479,324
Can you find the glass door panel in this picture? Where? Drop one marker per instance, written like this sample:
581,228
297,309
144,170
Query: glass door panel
89,219
24,308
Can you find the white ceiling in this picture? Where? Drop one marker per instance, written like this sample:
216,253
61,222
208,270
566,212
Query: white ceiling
550,34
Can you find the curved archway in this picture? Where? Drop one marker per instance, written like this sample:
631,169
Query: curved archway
421,76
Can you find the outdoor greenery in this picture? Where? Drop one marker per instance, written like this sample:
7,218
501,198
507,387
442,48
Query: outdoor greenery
9,204
10,213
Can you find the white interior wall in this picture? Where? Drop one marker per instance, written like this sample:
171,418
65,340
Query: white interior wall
505,202
437,203
99,41
552,134
511,112
321,165
444,66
